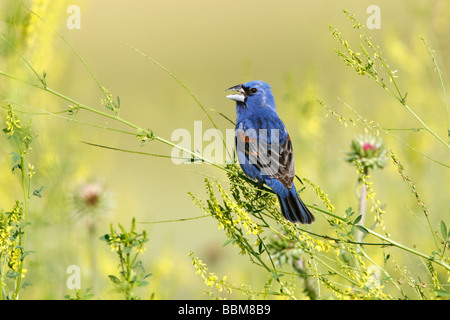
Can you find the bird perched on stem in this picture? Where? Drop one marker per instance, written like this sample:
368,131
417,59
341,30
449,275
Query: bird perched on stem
264,148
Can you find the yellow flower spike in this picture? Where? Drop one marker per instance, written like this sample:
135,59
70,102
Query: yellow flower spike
12,122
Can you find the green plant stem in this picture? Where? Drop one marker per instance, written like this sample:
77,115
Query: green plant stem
273,271
318,259
444,93
374,129
58,115
22,231
2,272
175,220
388,276
402,102
410,250
390,241
93,238
69,45
405,178
23,58
362,211
182,84
140,130
143,131
132,125
399,96
132,151
116,118
127,278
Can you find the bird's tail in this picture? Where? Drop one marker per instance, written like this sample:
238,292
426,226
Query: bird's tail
293,208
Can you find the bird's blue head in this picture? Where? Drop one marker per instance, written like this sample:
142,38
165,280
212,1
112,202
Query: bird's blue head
252,96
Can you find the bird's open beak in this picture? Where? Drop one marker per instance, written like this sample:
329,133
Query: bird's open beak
239,97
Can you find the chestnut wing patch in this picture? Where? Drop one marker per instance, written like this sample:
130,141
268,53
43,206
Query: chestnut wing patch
274,159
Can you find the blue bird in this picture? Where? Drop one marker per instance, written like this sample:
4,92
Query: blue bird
264,148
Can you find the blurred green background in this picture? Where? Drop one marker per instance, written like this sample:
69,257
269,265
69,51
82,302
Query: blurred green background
210,46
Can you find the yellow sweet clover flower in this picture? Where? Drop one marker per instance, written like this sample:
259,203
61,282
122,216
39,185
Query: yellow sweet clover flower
16,214
209,278
114,241
24,272
230,215
9,249
14,259
322,195
5,237
108,97
370,193
321,246
109,102
242,216
12,121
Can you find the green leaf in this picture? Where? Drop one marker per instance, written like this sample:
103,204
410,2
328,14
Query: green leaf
349,212
121,227
12,274
37,192
444,230
15,157
228,242
261,248
104,237
17,166
277,276
362,229
127,250
442,293
146,276
23,224
142,283
25,254
357,219
26,284
114,279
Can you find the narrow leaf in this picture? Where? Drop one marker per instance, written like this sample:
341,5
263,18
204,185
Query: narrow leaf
114,279
444,230
443,293
362,229
357,219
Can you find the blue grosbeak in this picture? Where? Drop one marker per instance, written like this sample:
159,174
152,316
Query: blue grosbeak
264,148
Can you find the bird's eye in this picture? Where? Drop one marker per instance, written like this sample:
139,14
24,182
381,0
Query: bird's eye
253,90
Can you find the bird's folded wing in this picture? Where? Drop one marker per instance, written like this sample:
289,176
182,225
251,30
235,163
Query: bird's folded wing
268,152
